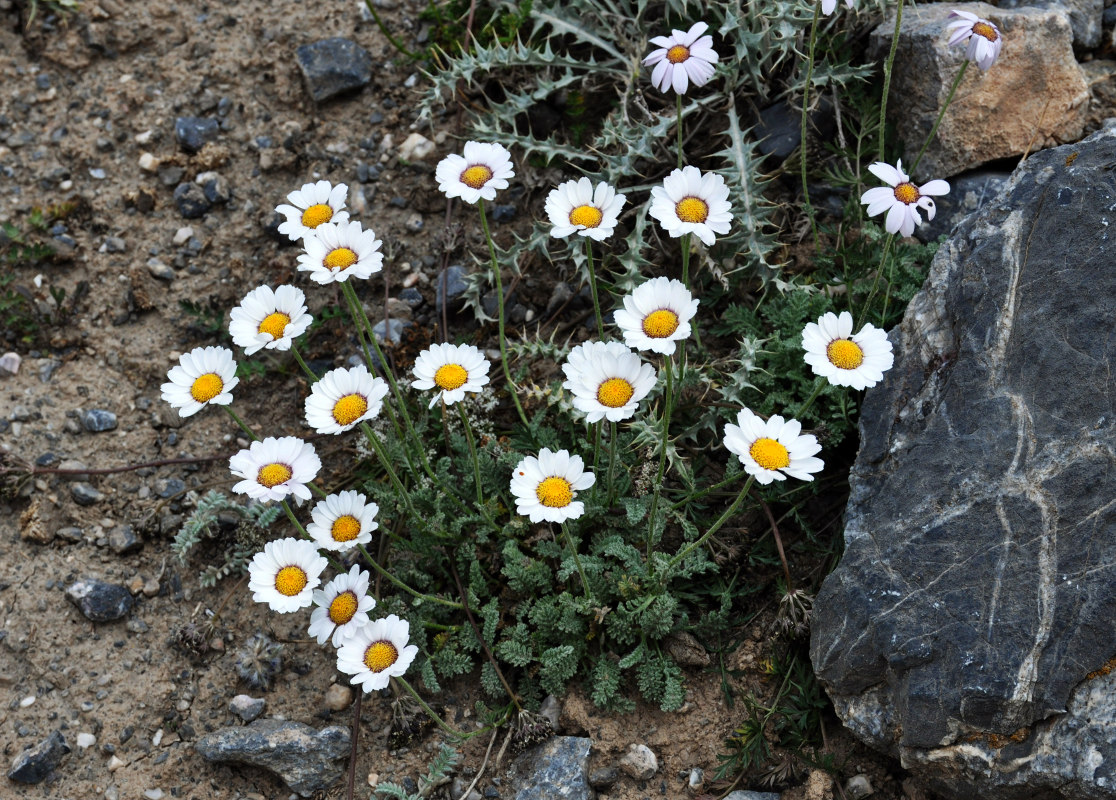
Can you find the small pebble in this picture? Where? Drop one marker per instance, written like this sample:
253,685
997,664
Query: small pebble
338,697
183,235
160,270
153,794
148,163
85,740
27,701
115,763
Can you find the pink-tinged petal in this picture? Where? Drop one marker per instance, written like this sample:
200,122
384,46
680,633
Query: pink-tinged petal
828,6
680,80
886,173
696,31
934,188
663,41
660,77
964,15
654,58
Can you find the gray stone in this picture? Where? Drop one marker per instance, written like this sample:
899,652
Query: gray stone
967,629
859,787
113,244
503,213
84,494
450,287
779,129
194,133
604,777
160,270
557,768
123,540
967,193
98,420
1036,88
306,759
334,67
392,332
551,708
1085,16
639,762
71,534
215,186
36,763
99,601
190,200
741,794
246,707
169,487
9,364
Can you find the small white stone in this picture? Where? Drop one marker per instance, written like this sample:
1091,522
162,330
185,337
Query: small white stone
639,762
66,185
183,235
145,137
115,763
153,794
9,364
85,740
148,163
25,702
158,737
416,147
338,697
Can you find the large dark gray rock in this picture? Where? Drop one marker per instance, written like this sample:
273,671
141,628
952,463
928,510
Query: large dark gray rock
306,759
334,67
557,768
34,764
99,601
968,627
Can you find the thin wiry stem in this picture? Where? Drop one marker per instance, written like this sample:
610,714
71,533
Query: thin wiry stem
805,116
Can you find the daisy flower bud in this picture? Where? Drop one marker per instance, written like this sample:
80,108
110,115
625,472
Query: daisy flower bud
204,375
773,450
690,202
576,207
478,175
311,206
901,199
983,37
271,319
683,58
845,358
377,652
545,487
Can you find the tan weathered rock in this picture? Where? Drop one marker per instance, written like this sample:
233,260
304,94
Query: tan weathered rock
1034,96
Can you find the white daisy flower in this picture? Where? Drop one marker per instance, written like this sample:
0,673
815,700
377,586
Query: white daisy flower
285,574
829,6
478,175
985,41
903,199
275,468
342,607
607,380
683,58
342,521
576,207
689,202
204,375
545,487
271,319
454,369
377,652
313,205
343,398
656,315
339,252
773,450
843,358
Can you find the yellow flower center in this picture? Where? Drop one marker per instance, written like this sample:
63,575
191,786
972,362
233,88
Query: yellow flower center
660,324
349,409
906,193
345,528
555,492
692,209
271,475
316,215
844,353
275,324
614,392
769,454
380,655
476,176
289,581
589,216
341,258
343,608
206,387
678,54
984,29
450,377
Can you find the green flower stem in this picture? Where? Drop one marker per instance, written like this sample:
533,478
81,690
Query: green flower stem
577,561
383,29
611,463
336,564
396,582
236,418
305,368
385,462
678,97
941,114
686,259
500,313
597,446
441,723
472,452
698,495
875,283
593,286
805,117
715,527
668,406
887,76
819,384
355,312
